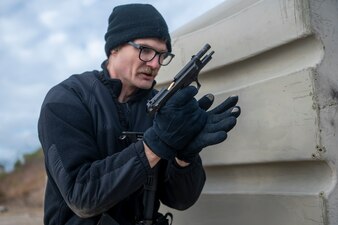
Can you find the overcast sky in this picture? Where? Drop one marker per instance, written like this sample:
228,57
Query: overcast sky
44,42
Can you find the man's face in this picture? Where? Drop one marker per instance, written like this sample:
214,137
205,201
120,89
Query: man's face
133,72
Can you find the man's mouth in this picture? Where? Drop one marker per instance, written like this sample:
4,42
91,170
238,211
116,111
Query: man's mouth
147,72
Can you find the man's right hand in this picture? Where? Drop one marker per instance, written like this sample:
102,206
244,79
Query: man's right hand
175,124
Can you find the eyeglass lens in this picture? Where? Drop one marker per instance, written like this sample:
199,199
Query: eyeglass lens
148,54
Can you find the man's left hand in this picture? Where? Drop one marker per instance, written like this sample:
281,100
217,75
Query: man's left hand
220,121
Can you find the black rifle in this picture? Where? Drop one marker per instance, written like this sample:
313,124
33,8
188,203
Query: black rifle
185,77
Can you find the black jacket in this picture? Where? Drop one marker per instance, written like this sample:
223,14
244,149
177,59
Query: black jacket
90,170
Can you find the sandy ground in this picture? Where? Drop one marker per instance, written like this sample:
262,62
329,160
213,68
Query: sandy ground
22,193
21,215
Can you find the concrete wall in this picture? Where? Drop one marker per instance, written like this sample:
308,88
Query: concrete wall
279,165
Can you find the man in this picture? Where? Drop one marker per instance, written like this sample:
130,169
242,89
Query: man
93,170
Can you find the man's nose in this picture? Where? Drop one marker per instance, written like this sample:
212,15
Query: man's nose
154,63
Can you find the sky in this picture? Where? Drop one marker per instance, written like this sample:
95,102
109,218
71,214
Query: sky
43,43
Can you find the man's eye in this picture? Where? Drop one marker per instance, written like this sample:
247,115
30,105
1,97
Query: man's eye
147,51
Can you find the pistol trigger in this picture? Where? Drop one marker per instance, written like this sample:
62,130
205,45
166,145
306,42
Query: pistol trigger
198,84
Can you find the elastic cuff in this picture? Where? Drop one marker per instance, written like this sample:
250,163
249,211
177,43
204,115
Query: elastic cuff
187,158
142,156
178,169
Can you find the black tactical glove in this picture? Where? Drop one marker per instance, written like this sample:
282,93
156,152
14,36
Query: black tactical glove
220,121
175,124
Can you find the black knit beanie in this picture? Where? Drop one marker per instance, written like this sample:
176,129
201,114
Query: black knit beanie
133,21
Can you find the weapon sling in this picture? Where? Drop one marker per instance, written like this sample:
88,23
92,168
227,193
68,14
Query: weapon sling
149,196
149,201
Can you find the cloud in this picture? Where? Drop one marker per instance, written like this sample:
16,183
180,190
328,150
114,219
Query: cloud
48,18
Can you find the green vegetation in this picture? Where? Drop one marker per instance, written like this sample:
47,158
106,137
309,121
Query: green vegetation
37,155
27,178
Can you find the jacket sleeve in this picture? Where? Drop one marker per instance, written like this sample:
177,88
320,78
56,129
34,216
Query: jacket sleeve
88,182
182,186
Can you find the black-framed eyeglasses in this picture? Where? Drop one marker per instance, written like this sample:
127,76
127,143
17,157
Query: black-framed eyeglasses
147,54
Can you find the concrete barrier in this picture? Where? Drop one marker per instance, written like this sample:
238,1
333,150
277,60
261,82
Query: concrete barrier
279,164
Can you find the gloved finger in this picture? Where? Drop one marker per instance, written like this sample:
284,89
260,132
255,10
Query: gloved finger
225,105
183,96
206,101
224,125
235,111
212,138
215,118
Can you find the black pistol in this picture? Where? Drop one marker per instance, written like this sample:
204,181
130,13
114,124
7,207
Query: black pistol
187,75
